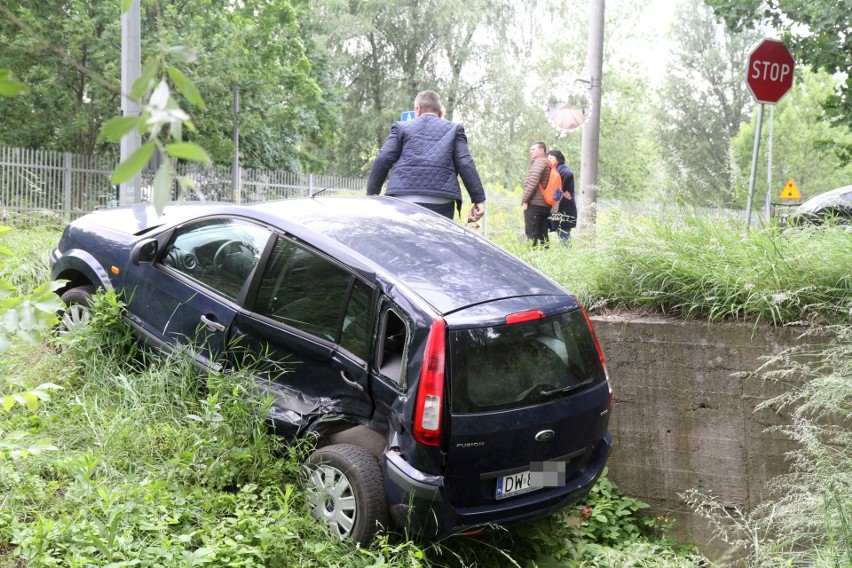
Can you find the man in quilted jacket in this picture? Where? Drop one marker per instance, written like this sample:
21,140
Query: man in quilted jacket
428,154
536,209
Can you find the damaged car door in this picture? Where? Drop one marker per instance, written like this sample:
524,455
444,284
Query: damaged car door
308,324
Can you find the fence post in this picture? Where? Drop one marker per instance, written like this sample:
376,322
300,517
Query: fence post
310,184
66,186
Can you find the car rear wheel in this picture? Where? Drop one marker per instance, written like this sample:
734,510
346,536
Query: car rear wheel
77,312
346,491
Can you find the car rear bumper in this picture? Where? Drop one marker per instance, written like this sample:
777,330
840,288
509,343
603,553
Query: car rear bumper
418,502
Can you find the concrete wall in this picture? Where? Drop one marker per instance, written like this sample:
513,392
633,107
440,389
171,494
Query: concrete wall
684,415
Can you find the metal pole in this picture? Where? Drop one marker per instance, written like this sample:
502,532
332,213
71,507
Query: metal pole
131,66
767,207
592,128
66,185
754,164
235,138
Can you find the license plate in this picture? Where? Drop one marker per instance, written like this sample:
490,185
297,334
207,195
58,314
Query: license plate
515,484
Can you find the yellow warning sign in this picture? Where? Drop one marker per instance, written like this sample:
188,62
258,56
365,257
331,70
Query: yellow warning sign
790,191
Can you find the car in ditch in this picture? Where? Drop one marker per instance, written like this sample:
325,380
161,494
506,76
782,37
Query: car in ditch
449,387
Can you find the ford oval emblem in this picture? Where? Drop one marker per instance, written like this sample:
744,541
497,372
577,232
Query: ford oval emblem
545,435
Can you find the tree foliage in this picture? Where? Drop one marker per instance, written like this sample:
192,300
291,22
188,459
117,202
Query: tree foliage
704,101
817,31
386,52
495,64
66,103
263,48
68,51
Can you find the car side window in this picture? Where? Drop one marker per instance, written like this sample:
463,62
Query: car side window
355,335
392,346
219,253
304,290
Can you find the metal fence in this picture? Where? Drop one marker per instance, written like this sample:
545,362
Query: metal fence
39,187
51,188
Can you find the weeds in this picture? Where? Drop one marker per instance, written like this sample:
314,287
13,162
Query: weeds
29,267
692,266
160,465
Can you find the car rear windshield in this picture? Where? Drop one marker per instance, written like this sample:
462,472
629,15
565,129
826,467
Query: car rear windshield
511,366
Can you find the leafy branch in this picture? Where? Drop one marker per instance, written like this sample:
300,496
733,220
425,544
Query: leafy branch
162,120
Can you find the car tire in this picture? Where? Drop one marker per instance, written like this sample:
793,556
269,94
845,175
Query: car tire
77,312
346,491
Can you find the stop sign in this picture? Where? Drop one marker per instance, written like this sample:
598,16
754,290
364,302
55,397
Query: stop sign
770,71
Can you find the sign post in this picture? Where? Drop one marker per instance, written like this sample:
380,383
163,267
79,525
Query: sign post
769,77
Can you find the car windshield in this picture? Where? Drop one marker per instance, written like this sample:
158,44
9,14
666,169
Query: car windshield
516,365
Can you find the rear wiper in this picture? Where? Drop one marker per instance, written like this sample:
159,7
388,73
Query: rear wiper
550,392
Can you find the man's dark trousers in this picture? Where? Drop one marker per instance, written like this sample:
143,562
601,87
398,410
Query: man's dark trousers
535,223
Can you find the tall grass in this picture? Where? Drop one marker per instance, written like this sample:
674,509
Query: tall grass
29,267
158,465
692,266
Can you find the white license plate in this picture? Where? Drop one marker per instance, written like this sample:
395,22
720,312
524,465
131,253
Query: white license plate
515,484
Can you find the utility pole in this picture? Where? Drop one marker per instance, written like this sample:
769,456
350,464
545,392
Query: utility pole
131,67
588,202
235,138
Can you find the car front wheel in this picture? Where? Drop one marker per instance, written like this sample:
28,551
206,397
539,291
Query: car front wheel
77,312
346,492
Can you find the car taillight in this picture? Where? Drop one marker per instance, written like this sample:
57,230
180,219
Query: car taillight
598,347
430,392
524,316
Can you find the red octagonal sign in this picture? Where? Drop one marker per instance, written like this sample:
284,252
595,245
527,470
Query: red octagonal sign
770,71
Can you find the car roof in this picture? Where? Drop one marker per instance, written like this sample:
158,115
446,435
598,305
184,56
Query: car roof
841,196
448,266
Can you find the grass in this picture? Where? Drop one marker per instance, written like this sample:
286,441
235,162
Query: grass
691,266
28,267
157,466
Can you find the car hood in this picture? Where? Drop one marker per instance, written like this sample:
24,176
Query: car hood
841,197
139,218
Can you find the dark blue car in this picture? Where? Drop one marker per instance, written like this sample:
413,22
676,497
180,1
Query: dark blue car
448,385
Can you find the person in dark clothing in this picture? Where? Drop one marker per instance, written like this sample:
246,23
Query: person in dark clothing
536,209
564,215
428,154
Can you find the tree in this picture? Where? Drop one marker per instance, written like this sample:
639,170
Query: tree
817,32
67,52
704,101
386,52
629,152
288,113
550,39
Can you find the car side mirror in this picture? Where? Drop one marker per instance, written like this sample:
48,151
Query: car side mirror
144,252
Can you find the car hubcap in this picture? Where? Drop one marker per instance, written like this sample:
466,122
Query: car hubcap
332,500
73,317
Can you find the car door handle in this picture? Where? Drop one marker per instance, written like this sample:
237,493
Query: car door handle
350,382
212,324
